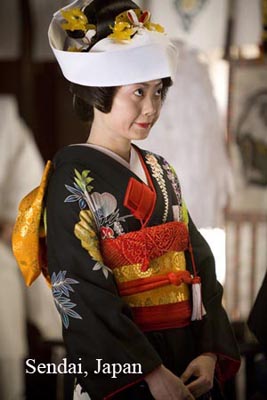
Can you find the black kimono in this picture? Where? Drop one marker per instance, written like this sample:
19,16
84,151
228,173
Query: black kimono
257,321
86,203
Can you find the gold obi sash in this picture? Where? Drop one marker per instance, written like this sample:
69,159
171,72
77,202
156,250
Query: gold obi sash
150,271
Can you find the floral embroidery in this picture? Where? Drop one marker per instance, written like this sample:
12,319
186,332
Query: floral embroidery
99,213
82,188
171,174
61,288
158,173
105,205
100,266
85,231
102,205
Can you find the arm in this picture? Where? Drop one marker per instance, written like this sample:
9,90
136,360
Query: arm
97,324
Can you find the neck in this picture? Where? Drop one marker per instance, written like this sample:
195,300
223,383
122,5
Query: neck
119,146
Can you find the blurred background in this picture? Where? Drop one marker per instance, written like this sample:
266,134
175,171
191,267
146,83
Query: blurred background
213,130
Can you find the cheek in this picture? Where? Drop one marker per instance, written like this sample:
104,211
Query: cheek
158,109
128,112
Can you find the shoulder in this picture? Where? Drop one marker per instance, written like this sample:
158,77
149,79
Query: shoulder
71,164
73,154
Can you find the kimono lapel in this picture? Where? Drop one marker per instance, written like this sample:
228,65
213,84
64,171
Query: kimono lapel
156,176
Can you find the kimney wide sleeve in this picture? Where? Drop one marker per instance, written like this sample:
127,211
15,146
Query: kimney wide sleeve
213,333
97,324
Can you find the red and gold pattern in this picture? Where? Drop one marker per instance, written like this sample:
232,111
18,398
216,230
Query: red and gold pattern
144,245
150,271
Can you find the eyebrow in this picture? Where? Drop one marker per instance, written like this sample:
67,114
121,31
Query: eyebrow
147,84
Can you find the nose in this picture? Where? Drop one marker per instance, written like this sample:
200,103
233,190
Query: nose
149,106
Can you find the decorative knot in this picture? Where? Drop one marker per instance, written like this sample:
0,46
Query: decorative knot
145,265
174,279
196,279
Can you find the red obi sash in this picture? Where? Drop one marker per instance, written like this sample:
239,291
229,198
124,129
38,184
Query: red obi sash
141,248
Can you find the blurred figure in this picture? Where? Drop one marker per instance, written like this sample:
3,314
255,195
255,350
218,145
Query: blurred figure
21,169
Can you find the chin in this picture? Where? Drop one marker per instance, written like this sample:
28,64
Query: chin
141,136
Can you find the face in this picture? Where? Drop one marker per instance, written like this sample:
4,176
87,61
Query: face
134,111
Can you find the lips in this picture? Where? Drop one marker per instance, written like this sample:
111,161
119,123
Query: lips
144,125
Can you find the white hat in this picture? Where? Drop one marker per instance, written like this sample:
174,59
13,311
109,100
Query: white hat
146,56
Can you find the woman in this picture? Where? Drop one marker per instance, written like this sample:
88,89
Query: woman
124,257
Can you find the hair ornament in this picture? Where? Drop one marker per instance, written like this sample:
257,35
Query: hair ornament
111,60
129,22
77,27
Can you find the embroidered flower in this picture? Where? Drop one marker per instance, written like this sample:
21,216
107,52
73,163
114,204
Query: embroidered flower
100,266
85,230
106,233
81,189
99,214
118,228
107,214
158,174
173,179
171,174
61,288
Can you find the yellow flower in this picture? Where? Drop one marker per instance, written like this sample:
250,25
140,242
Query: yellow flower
122,31
124,35
154,27
76,20
126,24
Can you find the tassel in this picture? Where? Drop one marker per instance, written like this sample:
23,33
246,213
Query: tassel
198,308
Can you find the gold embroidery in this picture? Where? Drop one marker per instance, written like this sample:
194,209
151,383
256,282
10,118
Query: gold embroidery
172,261
165,295
85,231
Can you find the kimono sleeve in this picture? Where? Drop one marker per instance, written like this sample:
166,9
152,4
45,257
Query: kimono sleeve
213,333
97,324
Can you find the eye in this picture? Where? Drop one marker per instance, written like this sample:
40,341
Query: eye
139,92
158,92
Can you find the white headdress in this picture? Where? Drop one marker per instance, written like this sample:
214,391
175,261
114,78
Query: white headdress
137,50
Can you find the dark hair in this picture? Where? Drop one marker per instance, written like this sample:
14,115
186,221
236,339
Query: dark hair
102,13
